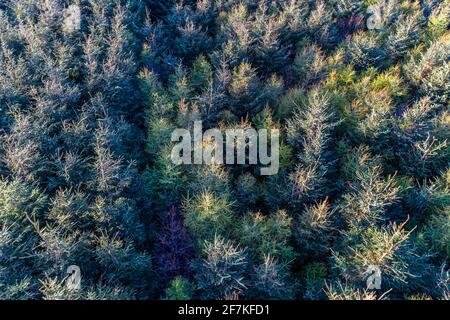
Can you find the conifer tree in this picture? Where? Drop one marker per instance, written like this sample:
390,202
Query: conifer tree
223,270
309,133
316,222
91,92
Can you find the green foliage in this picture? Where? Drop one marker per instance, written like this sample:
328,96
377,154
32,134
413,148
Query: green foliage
438,21
17,200
52,289
247,190
313,230
370,195
222,273
123,264
392,249
339,291
405,35
208,214
364,51
309,133
419,139
248,93
267,236
429,71
314,280
437,231
272,281
309,65
201,74
180,289
86,176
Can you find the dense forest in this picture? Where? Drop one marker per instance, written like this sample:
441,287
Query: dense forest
91,90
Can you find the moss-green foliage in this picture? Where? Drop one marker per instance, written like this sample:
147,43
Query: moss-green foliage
314,276
208,214
180,289
86,178
391,248
267,235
